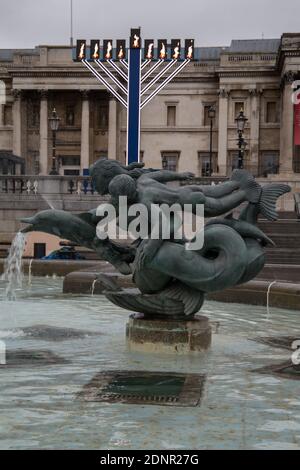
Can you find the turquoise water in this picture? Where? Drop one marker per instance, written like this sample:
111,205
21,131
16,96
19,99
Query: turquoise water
239,410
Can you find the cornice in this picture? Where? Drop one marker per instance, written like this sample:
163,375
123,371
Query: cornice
282,53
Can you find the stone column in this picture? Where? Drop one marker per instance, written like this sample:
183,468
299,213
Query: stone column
17,123
85,132
44,133
255,95
112,129
223,131
287,126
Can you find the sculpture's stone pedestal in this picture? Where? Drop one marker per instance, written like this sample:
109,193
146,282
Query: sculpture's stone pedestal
169,336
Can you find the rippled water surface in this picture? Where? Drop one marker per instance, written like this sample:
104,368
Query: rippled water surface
239,410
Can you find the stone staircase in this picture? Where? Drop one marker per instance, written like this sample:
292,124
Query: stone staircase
285,232
4,249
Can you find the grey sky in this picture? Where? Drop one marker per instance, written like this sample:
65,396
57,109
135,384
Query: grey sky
27,23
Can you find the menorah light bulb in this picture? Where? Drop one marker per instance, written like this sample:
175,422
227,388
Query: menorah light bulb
96,52
150,50
190,52
108,51
81,53
162,53
176,51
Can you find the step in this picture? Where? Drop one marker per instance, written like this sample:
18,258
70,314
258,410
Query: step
280,272
280,227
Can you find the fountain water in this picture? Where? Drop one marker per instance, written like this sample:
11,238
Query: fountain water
30,273
93,286
46,199
268,298
13,266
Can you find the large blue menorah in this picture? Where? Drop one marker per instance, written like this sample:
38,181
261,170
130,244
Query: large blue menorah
134,81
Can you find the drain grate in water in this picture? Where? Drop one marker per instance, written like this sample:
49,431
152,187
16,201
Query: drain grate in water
287,370
143,387
284,342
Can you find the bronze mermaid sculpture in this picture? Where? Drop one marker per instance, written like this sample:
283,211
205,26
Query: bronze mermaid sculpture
169,279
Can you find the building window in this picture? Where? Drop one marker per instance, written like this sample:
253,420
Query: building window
70,160
204,163
271,112
101,154
269,163
33,115
238,106
102,116
233,161
207,119
296,161
36,156
39,250
170,160
71,172
7,115
35,118
171,116
70,116
33,162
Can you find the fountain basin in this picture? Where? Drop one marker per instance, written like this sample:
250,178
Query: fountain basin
282,294
240,407
57,267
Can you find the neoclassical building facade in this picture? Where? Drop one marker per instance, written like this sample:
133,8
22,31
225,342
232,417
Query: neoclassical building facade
255,75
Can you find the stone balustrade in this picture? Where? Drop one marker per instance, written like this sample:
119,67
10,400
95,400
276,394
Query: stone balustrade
43,185
65,189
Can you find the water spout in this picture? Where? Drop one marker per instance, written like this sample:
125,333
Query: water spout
93,286
30,273
48,202
268,298
13,266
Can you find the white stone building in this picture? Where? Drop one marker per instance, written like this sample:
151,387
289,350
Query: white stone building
255,75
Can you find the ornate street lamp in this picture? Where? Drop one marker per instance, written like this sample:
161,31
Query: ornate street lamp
211,115
243,145
54,121
240,123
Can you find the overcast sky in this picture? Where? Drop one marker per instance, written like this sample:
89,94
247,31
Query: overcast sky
27,23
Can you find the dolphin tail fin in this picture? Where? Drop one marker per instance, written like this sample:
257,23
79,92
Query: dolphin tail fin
191,298
247,183
269,196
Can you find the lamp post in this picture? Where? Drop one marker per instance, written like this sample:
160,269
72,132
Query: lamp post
211,115
241,122
54,121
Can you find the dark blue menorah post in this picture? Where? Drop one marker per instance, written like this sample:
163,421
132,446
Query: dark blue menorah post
134,109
